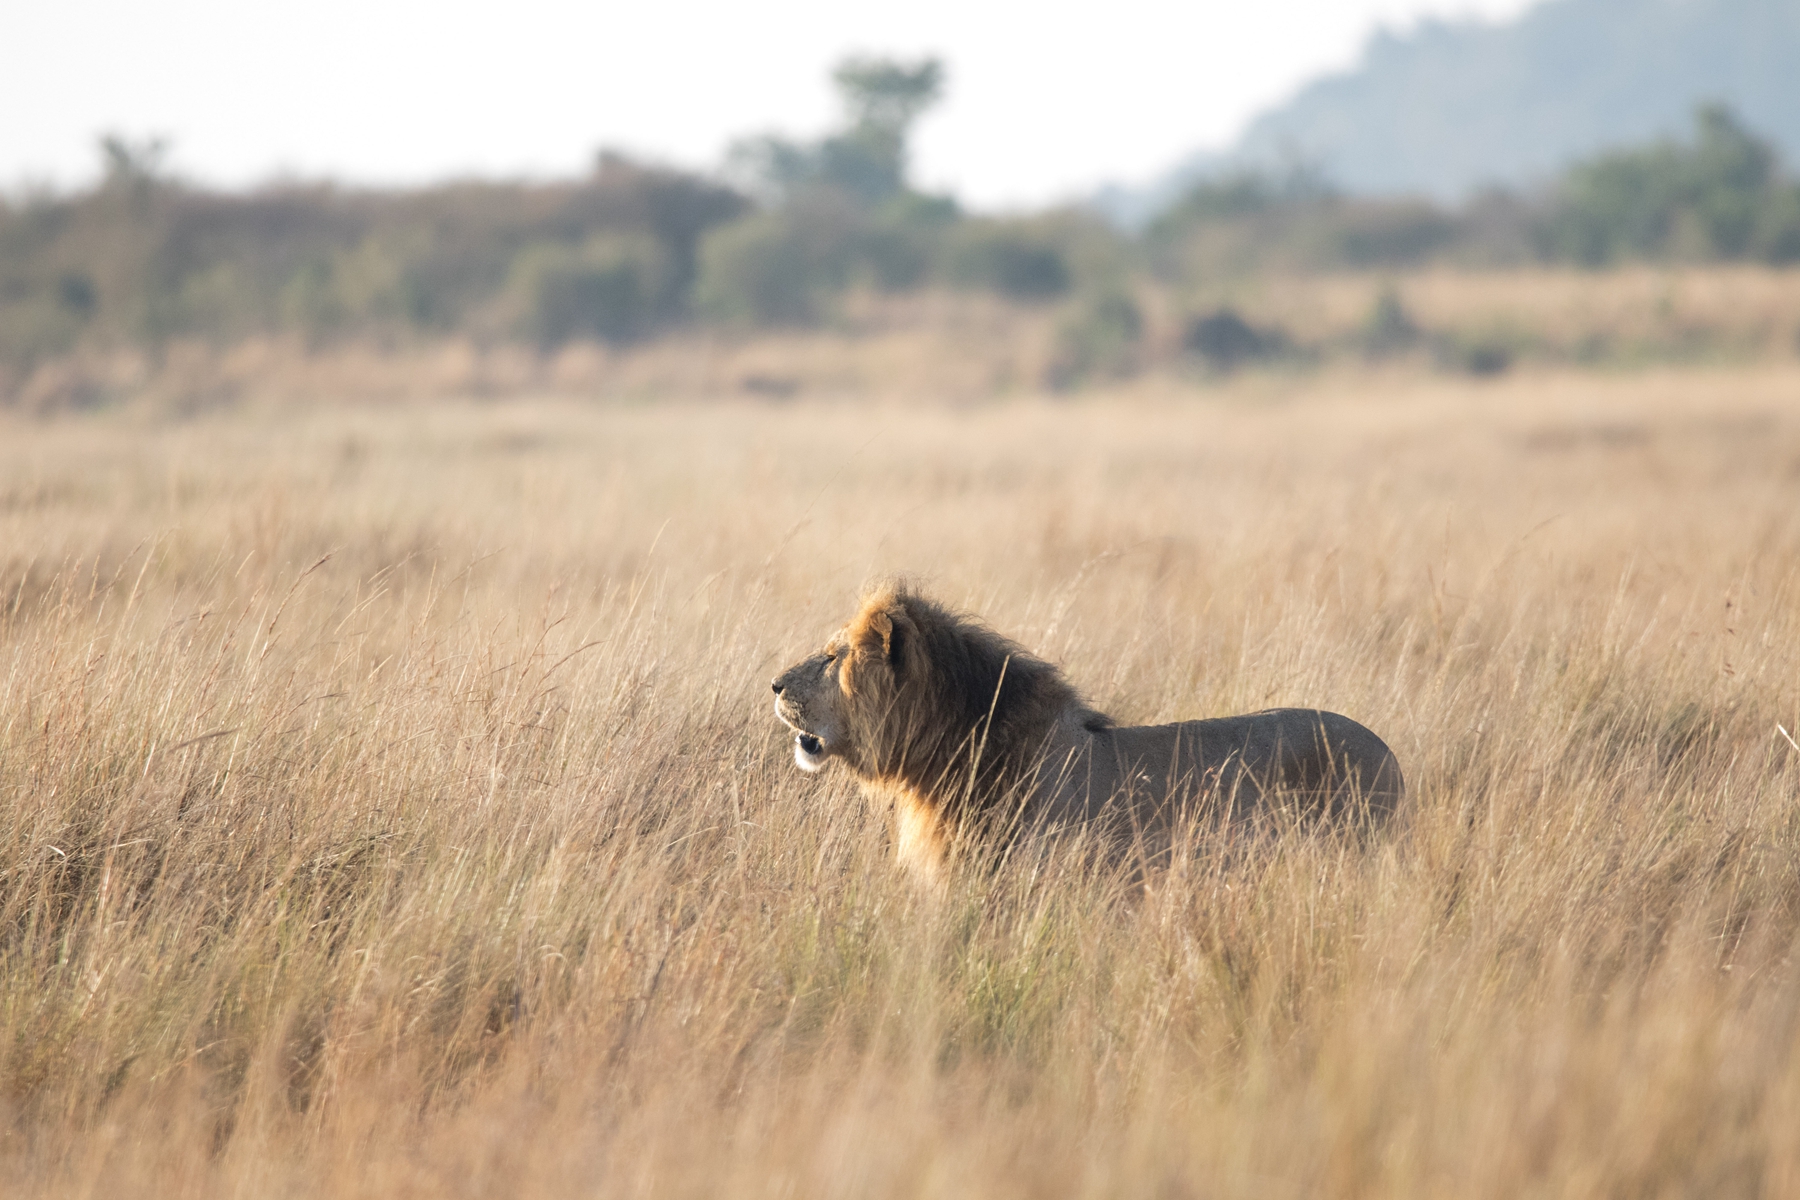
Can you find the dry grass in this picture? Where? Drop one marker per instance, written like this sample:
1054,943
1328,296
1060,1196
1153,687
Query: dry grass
1629,316
389,802
970,349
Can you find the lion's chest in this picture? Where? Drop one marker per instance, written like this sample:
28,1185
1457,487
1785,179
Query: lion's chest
921,843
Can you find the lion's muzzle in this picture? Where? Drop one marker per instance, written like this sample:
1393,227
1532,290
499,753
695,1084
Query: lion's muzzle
809,747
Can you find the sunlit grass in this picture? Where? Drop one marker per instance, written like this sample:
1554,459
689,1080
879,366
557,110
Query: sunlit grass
390,804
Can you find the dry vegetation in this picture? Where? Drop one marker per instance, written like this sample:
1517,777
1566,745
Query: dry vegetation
969,348
390,804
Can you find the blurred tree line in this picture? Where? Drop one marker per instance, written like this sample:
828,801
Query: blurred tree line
1719,196
630,250
142,259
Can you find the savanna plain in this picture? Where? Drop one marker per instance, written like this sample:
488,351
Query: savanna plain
391,805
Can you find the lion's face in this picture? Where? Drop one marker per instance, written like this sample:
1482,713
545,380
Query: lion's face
810,700
834,700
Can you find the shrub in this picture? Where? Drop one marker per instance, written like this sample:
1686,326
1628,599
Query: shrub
775,268
898,246
353,288
1098,340
1482,355
75,293
1777,237
896,257
1389,329
1014,261
1393,233
1226,341
608,288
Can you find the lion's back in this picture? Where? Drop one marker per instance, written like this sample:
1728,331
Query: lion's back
1331,764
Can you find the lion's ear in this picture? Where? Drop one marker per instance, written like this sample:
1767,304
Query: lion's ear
887,632
878,630
900,633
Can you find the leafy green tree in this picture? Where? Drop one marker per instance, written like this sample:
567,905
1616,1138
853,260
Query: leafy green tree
884,98
867,159
837,211
882,93
1705,198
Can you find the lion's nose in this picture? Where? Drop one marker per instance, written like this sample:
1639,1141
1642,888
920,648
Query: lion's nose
775,687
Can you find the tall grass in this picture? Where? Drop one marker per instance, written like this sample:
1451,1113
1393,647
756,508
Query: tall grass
390,804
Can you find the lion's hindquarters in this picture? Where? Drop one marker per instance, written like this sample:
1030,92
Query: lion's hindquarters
1351,769
1336,768
1321,764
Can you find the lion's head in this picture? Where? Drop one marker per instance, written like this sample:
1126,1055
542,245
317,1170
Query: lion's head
911,692
839,701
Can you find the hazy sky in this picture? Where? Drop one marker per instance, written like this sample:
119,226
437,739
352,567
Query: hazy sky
1045,100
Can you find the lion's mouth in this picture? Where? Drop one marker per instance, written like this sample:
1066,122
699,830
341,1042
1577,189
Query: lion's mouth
809,751
809,748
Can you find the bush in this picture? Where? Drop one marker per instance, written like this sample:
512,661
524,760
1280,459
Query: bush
777,268
1226,341
1242,227
608,288
898,246
1777,238
1481,355
754,270
347,289
1389,329
1098,340
1016,262
1392,233
75,294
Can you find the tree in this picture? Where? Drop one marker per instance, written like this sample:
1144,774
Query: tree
1705,198
866,160
884,94
133,162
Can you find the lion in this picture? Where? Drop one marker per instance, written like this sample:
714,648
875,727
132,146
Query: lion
968,741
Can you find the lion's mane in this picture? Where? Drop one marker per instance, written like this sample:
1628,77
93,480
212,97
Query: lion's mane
944,707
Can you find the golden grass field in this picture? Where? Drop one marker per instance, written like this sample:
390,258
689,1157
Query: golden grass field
390,803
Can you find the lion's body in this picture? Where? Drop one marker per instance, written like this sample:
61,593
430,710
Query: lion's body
967,740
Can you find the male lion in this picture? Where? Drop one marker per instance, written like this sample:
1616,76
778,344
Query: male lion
969,741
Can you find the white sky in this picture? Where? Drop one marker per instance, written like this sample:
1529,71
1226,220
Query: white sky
1045,100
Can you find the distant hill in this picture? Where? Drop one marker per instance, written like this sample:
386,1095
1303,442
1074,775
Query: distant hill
1448,107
